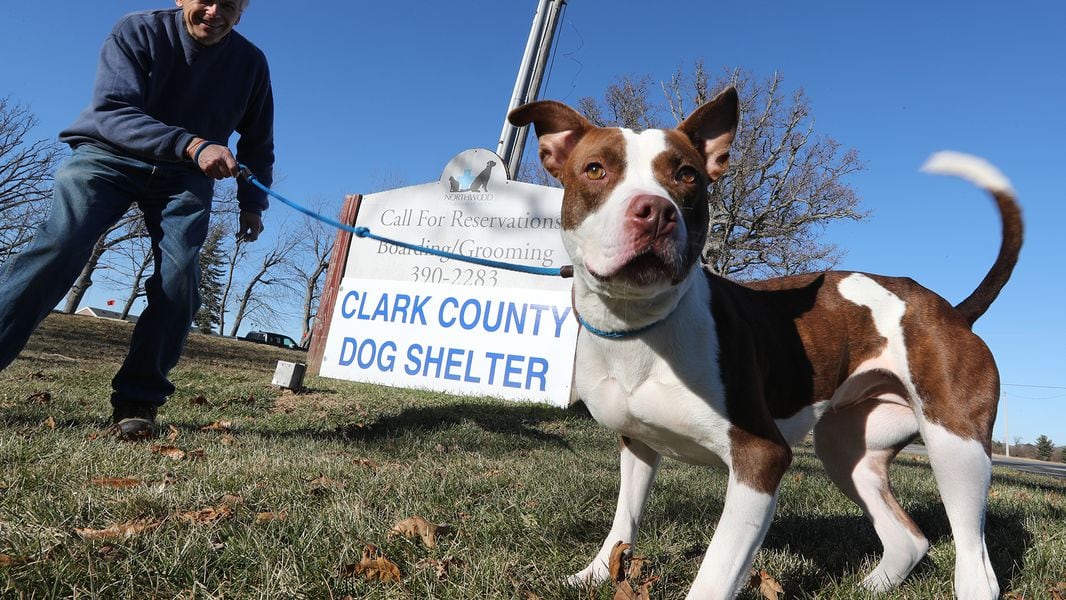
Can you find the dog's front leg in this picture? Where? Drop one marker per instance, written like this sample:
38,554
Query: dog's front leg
749,507
638,465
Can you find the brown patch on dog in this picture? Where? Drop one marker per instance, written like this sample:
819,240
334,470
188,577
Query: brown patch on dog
581,195
758,462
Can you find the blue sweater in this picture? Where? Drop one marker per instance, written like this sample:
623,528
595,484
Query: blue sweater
157,88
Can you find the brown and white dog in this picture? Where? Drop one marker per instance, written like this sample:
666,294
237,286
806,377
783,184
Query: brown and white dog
687,364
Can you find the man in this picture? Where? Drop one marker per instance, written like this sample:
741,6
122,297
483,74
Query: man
171,87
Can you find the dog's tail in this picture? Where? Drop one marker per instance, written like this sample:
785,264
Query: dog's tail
988,177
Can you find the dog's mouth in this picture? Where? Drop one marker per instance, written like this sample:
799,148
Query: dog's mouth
648,268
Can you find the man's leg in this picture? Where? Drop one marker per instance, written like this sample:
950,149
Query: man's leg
90,194
178,226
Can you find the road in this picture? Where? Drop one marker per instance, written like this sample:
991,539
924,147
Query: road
1057,470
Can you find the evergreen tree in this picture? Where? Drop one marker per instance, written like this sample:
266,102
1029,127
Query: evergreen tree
1044,447
212,259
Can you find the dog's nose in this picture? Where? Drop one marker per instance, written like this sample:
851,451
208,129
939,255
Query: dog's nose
652,215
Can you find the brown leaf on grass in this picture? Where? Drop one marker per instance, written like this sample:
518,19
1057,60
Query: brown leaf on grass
366,462
1013,596
206,515
172,433
227,439
1057,590
765,584
440,566
223,426
118,531
50,422
171,452
268,516
6,560
39,398
199,400
197,454
109,553
416,526
617,565
372,566
231,500
323,484
116,482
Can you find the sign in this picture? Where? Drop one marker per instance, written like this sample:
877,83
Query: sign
505,342
407,318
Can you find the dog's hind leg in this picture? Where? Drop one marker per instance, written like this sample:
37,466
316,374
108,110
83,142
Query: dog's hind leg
638,465
963,471
857,444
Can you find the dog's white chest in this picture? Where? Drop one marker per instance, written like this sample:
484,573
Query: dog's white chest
653,389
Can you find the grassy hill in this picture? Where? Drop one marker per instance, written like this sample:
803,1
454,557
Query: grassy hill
255,492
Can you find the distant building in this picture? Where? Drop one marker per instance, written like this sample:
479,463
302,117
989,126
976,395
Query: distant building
103,313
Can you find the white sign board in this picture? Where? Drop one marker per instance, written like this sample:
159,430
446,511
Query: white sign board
411,319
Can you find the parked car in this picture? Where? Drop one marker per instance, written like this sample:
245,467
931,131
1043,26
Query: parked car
273,339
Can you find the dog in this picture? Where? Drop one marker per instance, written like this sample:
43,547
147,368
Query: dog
481,182
686,364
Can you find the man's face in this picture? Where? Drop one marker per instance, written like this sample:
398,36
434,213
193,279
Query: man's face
208,21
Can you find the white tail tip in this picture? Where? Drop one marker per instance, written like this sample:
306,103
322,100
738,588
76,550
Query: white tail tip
972,168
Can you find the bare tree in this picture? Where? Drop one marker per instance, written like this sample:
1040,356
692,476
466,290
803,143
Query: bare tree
128,261
785,183
130,226
25,177
262,287
308,268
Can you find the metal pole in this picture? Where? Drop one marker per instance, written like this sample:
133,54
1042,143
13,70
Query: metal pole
530,76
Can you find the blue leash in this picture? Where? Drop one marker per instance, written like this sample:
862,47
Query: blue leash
364,232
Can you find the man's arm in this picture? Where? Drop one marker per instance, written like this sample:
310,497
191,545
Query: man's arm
119,98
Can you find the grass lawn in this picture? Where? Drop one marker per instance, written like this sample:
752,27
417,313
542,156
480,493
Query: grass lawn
254,492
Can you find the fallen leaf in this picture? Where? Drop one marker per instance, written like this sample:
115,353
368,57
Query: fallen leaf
227,439
109,553
267,516
617,567
199,400
322,484
206,515
231,500
39,398
6,560
416,526
119,531
170,452
116,482
1013,596
373,566
366,462
224,426
197,454
50,422
765,584
1057,590
172,433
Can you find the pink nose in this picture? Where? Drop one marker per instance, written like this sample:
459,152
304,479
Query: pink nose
652,215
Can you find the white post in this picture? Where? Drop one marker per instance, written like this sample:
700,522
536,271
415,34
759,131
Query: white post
530,74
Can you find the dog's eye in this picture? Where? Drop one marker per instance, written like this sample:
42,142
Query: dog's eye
595,171
687,175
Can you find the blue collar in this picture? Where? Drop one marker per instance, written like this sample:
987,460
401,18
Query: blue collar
614,335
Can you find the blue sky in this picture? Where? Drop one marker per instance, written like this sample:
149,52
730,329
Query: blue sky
373,93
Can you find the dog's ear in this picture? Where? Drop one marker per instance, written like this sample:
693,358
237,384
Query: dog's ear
712,128
558,128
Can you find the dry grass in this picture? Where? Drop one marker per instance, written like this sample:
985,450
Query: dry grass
281,496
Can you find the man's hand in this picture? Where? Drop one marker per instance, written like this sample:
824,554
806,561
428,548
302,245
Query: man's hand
215,160
251,225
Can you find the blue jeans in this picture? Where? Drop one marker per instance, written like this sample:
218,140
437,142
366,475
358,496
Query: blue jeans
92,190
